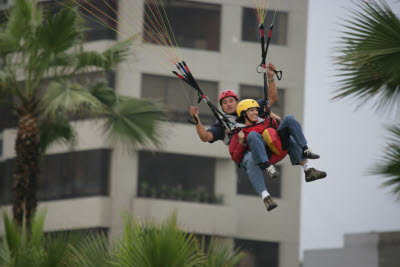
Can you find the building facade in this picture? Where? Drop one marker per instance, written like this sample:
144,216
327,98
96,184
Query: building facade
375,249
87,186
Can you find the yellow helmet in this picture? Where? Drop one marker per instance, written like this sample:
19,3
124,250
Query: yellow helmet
245,104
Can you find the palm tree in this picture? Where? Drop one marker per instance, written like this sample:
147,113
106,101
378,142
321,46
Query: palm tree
36,47
369,63
153,245
142,244
166,244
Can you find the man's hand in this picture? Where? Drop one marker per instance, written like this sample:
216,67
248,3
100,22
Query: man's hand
276,117
270,71
194,111
204,135
242,137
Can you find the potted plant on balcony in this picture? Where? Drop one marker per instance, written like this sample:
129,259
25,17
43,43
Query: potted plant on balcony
144,189
164,191
153,192
204,197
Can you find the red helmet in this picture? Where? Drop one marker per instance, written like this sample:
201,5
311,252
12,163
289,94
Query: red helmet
226,94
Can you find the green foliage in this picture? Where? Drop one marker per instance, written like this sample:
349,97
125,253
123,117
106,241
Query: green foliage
59,33
106,60
370,68
21,247
219,254
389,167
142,244
93,251
370,55
51,47
151,245
55,130
69,97
131,121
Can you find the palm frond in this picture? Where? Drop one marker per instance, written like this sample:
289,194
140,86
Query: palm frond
103,93
71,98
134,120
56,129
148,244
5,254
8,43
389,165
106,60
117,53
20,19
219,254
370,55
91,252
60,32
37,233
12,233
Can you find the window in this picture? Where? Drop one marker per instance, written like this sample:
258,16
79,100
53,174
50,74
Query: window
79,233
244,186
175,176
178,96
258,253
96,29
6,168
66,175
8,118
77,174
250,26
195,25
257,92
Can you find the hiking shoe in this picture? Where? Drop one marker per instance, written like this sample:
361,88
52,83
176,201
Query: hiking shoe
272,172
308,154
314,174
270,203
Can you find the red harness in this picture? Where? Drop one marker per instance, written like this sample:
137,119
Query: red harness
237,151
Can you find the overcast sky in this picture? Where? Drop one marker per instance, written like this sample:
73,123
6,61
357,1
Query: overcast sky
349,142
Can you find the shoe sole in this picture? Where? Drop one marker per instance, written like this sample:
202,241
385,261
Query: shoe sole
316,178
313,157
276,176
272,206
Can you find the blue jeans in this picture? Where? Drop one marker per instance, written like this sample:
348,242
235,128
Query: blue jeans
254,172
297,139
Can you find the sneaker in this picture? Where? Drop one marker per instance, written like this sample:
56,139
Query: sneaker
314,174
308,154
270,203
272,172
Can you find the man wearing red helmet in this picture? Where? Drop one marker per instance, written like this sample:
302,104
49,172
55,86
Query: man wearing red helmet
228,100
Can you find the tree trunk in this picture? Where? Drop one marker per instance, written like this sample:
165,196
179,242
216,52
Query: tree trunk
26,168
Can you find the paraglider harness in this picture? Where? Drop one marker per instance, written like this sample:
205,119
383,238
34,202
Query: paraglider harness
262,68
229,126
186,76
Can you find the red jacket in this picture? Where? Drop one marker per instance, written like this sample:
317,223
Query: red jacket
237,150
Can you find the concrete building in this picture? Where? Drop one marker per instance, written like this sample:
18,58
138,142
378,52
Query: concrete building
376,249
87,186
